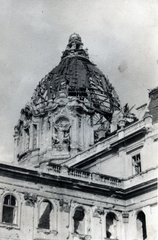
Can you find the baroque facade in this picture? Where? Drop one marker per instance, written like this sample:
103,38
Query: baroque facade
84,166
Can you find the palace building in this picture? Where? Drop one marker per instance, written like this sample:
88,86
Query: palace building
84,167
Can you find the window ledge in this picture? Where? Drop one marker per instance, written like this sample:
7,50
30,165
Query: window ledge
47,231
110,238
82,236
9,226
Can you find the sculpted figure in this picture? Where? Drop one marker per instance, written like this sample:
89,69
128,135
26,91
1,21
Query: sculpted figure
61,135
102,131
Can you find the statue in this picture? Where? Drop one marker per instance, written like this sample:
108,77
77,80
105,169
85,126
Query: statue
102,131
61,134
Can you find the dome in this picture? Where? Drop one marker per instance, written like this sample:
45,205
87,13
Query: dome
71,109
76,76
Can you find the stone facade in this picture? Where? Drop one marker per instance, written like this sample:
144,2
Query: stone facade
84,167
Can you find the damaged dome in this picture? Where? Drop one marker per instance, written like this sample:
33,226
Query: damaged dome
73,107
76,76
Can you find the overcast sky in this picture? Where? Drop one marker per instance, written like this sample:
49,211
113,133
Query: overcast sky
121,35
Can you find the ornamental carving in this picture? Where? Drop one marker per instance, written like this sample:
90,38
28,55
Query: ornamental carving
98,211
102,131
64,205
125,216
61,134
31,199
24,121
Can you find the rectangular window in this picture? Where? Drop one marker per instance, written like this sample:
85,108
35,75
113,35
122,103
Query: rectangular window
34,136
79,121
42,126
136,162
27,139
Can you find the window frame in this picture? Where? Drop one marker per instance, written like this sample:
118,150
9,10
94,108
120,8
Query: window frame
41,214
117,222
53,218
135,155
34,136
10,225
144,224
84,221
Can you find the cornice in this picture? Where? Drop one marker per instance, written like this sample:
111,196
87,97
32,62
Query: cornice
112,187
83,158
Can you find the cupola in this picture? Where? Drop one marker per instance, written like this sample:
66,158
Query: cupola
70,110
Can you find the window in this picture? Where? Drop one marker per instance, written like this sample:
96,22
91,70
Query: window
136,162
141,226
111,226
79,121
21,141
79,223
27,139
45,217
9,214
34,136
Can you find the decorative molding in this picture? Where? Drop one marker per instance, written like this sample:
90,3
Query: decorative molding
81,236
98,211
30,198
9,226
64,205
125,216
135,147
47,231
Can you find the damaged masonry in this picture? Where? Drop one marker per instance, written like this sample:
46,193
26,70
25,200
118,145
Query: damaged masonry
83,166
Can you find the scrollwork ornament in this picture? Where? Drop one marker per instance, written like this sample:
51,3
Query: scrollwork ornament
64,205
30,198
98,211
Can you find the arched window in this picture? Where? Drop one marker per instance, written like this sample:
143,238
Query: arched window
111,226
79,223
45,215
141,226
9,214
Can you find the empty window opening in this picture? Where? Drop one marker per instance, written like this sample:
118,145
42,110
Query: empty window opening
21,141
136,162
111,226
45,215
34,136
141,226
9,209
79,223
27,139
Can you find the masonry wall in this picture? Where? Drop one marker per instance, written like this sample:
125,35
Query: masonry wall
119,161
103,165
30,195
64,202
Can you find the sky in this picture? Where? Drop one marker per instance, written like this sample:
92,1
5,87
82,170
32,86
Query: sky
121,37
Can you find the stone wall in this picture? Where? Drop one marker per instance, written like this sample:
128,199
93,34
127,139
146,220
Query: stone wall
102,212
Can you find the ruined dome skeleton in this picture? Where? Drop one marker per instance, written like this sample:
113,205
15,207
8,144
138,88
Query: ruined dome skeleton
72,99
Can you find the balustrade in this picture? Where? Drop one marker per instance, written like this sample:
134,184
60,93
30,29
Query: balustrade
56,168
77,173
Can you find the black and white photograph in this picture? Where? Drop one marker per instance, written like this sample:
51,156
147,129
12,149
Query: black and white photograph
78,119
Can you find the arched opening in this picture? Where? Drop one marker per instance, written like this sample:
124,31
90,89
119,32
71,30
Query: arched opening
9,214
79,220
111,226
45,215
141,226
